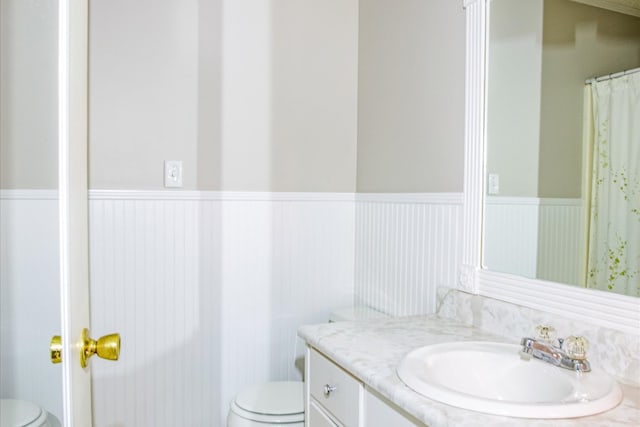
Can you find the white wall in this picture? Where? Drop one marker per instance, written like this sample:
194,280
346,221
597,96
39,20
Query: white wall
410,96
562,240
224,280
28,105
29,298
250,95
407,245
208,289
143,93
511,235
537,238
513,100
289,95
262,96
580,42
540,54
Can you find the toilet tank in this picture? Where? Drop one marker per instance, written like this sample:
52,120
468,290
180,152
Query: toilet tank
355,313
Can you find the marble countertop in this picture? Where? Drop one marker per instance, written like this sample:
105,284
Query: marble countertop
371,351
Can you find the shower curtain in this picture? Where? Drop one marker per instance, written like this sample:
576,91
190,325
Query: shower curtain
614,223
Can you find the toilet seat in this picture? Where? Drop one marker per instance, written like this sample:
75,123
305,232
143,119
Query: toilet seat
274,402
19,413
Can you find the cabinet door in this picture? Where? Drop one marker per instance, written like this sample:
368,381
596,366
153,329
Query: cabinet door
379,412
317,418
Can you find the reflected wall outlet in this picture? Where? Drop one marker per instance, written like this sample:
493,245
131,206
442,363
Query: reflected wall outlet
494,183
173,173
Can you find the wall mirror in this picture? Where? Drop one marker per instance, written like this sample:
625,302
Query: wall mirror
597,307
539,151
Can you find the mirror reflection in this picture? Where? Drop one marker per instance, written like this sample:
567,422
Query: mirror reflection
550,125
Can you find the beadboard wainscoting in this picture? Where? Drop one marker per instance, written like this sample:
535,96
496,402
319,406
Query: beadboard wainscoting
29,297
535,237
208,289
407,245
561,244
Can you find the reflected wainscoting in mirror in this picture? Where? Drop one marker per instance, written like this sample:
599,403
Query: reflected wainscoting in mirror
550,238
544,209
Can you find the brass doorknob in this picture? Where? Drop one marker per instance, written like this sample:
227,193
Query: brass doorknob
55,349
107,347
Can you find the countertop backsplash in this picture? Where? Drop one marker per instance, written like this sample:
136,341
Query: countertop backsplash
616,352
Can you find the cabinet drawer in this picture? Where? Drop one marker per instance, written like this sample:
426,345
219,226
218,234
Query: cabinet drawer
317,418
335,389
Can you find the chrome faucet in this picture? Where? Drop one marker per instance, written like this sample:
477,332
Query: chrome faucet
569,353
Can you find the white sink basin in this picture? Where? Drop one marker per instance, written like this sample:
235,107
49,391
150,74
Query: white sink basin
493,378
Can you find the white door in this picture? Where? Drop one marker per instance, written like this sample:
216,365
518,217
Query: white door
43,71
43,109
73,188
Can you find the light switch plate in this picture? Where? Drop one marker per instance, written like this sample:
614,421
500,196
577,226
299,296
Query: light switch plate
494,183
173,173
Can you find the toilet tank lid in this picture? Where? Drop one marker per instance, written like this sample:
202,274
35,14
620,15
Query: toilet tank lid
356,313
273,398
18,412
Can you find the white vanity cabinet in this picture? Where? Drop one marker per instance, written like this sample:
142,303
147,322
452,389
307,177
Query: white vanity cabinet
335,398
379,412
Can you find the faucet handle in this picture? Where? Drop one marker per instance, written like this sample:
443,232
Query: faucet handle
545,333
576,347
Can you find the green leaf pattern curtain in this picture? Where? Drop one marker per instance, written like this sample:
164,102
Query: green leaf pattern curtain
614,228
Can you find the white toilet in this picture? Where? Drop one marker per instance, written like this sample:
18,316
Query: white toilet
19,413
281,403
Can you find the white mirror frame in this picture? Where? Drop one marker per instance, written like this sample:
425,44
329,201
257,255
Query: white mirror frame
595,307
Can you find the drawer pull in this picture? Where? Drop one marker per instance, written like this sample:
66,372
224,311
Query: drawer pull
328,389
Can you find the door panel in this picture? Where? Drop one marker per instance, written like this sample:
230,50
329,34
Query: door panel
74,270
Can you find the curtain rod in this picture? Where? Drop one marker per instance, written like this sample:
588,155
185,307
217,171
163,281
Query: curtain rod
611,76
